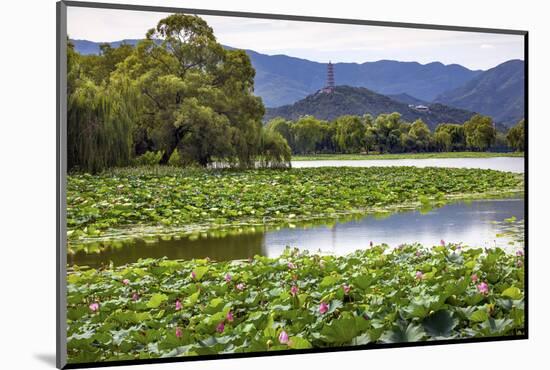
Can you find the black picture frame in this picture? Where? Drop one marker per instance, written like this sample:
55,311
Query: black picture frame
61,176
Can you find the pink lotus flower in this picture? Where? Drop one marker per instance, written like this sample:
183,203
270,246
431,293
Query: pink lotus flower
193,275
418,253
229,317
125,281
291,265
346,288
519,253
474,278
283,337
94,306
419,275
442,242
179,332
483,288
135,296
323,308
227,278
294,290
220,327
179,306
240,287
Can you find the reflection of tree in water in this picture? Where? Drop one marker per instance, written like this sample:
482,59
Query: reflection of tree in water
228,247
455,221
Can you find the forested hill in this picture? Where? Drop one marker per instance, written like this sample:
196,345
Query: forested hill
407,99
358,101
498,92
282,79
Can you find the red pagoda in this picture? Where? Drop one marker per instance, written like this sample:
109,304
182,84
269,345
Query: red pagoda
329,87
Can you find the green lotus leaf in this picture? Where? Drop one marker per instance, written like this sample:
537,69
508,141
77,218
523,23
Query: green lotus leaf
512,293
440,324
402,334
156,300
479,315
298,343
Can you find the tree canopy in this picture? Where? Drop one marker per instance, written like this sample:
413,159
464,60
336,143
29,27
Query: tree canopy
516,136
389,133
188,93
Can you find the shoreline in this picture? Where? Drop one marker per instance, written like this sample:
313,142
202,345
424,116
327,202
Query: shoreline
392,156
154,232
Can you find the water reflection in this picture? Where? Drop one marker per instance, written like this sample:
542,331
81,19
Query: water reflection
231,247
471,223
510,164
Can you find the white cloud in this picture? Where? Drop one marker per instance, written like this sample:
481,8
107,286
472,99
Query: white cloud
313,40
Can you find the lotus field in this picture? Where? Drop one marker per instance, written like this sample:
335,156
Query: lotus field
138,202
156,308
159,308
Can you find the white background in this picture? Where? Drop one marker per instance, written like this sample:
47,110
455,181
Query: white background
27,206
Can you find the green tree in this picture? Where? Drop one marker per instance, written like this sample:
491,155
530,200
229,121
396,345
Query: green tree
350,133
370,139
421,135
370,133
443,141
388,134
275,151
456,134
99,67
195,95
327,143
407,142
100,120
283,127
307,134
516,136
480,132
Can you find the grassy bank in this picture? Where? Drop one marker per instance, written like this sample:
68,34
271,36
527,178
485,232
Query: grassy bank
320,157
140,201
159,308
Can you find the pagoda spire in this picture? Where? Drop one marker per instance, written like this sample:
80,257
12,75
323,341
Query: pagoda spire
330,76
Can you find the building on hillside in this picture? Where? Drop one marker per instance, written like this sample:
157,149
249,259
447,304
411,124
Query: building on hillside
329,86
419,108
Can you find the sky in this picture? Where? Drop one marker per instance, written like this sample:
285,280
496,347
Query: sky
314,41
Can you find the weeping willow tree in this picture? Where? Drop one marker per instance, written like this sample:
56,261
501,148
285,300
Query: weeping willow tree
274,149
99,129
99,121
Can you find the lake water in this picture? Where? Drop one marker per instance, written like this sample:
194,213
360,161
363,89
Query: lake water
511,164
471,223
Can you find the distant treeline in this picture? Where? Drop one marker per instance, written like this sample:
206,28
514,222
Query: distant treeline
176,97
388,133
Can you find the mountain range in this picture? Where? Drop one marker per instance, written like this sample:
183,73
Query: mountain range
498,92
352,100
283,80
